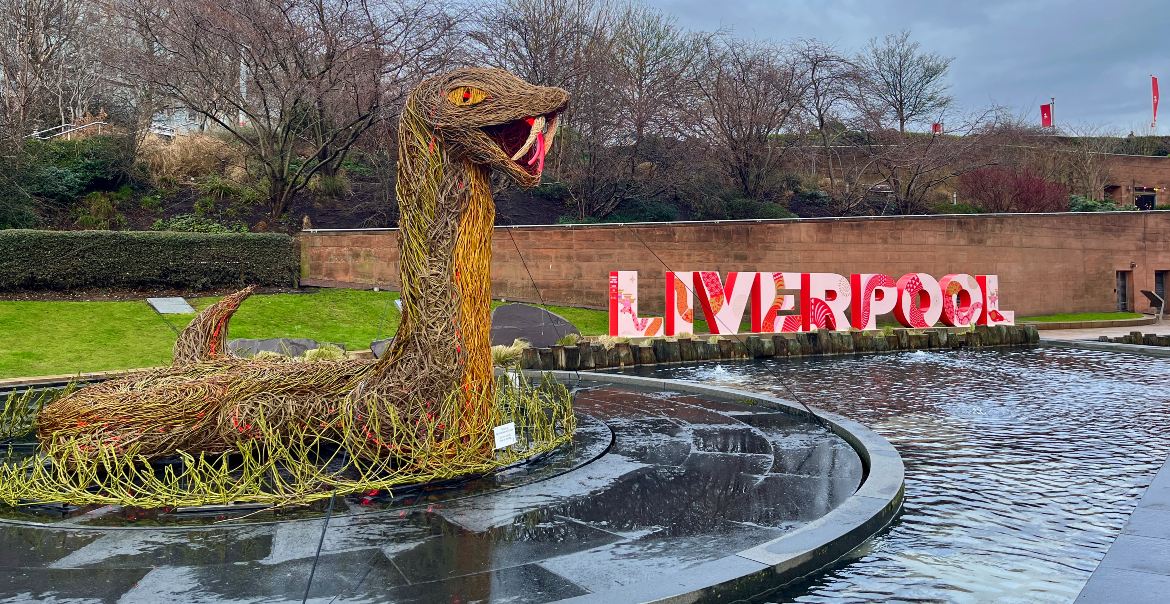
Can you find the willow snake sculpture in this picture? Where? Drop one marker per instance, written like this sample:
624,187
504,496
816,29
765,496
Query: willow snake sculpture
433,389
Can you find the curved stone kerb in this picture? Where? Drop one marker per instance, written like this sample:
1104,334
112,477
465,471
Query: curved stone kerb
805,550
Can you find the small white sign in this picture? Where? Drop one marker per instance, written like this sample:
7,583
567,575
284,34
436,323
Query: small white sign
505,435
170,306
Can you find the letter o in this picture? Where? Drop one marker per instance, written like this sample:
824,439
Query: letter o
962,300
908,312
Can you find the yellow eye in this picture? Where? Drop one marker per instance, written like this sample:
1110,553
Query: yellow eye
466,95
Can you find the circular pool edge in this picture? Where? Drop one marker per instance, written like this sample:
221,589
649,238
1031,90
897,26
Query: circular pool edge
770,565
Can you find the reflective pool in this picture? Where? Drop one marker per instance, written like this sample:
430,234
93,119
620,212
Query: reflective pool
1021,465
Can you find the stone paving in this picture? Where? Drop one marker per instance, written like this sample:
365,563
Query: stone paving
1136,570
1161,327
678,488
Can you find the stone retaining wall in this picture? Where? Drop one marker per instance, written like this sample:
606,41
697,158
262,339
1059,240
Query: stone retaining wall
1137,337
592,355
1047,263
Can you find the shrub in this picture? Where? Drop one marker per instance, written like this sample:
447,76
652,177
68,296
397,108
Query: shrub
63,260
507,356
357,167
609,341
189,223
634,210
54,184
324,352
204,206
746,209
61,170
151,202
1000,189
946,207
569,339
1078,203
329,186
575,220
16,210
99,210
217,187
637,210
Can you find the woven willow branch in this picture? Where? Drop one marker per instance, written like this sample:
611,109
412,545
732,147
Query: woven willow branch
424,411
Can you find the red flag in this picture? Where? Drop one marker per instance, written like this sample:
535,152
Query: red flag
1046,116
1154,84
936,128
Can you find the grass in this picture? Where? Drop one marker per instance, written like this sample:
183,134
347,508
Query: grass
1086,316
50,338
588,322
344,316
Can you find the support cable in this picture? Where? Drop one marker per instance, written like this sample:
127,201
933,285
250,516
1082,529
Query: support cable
541,298
316,558
781,380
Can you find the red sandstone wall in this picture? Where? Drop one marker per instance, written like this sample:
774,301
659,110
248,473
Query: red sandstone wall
1129,170
1047,263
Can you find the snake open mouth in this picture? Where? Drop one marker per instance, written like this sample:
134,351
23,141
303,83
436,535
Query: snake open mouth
526,141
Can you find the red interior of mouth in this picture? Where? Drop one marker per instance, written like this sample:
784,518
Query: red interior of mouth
511,136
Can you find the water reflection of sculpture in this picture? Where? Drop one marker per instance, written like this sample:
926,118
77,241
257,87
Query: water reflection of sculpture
424,410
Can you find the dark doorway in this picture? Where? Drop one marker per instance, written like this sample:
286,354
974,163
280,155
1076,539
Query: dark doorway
1160,283
1145,202
1123,290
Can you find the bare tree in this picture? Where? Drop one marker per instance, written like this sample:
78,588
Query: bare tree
748,94
563,43
829,77
1085,159
1006,189
898,83
910,165
49,64
627,129
308,77
654,63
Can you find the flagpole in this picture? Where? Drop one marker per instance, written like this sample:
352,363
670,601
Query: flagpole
1052,113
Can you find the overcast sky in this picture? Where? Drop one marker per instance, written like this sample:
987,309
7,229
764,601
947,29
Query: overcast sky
1096,57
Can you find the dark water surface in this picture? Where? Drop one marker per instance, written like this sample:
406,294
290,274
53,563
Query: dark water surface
1021,466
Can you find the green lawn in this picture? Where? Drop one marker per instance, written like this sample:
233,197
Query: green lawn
1086,316
347,316
49,338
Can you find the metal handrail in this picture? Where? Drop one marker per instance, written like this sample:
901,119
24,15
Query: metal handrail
72,128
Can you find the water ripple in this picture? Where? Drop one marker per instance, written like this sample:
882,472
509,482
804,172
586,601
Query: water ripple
1021,466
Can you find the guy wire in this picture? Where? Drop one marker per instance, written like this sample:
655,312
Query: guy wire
385,309
316,558
781,380
538,294
169,324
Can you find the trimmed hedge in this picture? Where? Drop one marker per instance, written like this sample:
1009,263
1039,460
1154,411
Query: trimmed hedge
68,259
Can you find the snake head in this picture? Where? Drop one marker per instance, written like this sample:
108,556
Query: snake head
493,118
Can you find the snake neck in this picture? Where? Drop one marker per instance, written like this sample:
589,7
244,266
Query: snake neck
442,346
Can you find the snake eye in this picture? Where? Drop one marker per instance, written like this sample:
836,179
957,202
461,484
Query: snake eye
466,95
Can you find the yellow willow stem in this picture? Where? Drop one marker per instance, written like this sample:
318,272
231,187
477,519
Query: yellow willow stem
473,262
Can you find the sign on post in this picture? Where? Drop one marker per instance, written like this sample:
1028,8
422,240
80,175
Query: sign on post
505,435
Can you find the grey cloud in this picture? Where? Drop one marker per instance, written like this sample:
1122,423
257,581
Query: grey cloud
1096,57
